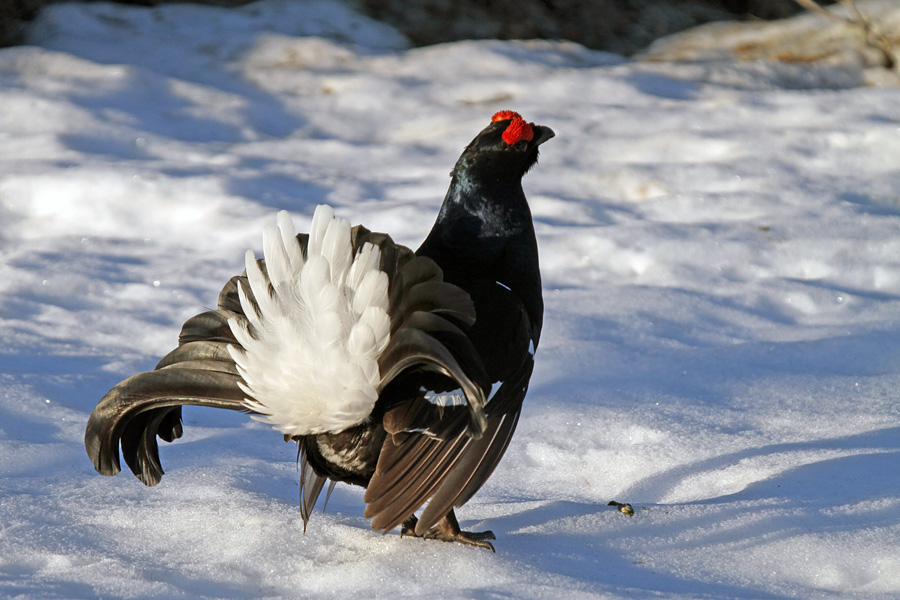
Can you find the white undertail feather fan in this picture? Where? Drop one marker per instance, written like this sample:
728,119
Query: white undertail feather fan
310,350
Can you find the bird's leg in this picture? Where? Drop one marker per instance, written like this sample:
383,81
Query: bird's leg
447,530
409,526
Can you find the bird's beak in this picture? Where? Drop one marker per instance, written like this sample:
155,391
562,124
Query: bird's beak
542,134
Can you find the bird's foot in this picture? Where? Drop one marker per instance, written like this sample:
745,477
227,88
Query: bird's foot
447,530
479,539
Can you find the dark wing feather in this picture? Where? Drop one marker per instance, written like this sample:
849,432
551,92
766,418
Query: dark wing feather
482,456
427,321
149,404
415,349
311,484
200,352
428,455
199,371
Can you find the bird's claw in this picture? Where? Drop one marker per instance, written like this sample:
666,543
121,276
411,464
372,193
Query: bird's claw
469,538
409,527
448,531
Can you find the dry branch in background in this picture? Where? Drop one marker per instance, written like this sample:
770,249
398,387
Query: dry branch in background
872,37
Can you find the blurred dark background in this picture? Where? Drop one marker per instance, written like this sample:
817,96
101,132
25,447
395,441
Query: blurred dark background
620,26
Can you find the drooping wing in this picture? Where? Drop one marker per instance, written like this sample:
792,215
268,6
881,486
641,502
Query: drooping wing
199,372
428,318
148,405
428,455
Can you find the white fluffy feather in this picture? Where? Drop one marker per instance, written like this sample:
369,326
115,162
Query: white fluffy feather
310,353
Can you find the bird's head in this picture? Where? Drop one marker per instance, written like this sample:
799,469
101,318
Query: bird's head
505,149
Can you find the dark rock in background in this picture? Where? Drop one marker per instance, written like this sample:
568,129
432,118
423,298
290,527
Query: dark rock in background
620,26
14,15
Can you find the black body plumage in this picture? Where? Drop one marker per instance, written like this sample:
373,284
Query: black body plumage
465,312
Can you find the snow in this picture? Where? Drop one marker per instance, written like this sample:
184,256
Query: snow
720,250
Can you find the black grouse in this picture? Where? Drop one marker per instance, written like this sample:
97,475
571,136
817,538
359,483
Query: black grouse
402,372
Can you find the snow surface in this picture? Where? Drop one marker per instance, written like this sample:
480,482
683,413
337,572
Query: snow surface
721,259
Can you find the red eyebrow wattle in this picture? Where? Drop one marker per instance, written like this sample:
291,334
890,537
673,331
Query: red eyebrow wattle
505,115
517,131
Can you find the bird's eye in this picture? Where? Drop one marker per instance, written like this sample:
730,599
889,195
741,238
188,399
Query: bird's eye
520,145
